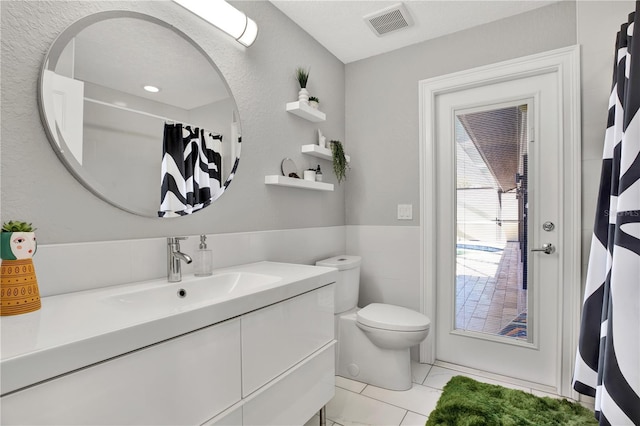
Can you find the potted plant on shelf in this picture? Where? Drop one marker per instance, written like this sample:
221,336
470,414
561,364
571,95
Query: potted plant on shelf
19,291
302,75
340,164
313,102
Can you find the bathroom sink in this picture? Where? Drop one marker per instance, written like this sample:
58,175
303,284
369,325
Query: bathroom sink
195,290
75,330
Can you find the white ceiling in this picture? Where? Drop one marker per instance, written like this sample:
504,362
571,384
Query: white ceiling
339,25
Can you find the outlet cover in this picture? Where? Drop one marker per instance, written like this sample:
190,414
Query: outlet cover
405,211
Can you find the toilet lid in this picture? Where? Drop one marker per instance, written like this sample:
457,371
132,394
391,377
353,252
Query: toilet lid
391,317
341,262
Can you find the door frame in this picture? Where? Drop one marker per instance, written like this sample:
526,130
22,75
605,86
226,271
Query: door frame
565,64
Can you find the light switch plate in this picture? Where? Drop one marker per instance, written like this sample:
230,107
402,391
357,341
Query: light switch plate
405,211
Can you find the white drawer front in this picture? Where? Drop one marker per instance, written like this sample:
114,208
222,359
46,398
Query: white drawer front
186,380
279,336
294,398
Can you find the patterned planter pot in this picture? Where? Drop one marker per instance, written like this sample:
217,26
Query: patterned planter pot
19,291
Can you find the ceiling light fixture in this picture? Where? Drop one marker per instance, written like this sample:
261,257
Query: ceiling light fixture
152,89
225,17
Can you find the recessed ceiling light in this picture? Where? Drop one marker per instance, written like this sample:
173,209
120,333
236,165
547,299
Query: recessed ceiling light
152,89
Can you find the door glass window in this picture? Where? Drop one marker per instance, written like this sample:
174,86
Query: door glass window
491,222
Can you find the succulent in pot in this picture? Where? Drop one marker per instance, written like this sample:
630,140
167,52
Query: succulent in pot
19,293
313,102
18,240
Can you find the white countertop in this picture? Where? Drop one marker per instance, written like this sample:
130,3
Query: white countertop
74,330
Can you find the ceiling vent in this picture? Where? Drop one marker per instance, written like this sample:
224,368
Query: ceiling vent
390,19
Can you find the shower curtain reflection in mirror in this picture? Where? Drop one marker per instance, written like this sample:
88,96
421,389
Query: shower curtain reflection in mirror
191,169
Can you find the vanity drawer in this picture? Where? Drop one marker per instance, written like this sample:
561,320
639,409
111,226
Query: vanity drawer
186,380
295,397
281,335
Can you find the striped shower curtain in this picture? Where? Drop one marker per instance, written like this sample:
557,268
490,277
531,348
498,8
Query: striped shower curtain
191,170
608,359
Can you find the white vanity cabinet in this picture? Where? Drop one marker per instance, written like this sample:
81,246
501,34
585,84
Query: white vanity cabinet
279,336
271,366
186,380
295,396
288,361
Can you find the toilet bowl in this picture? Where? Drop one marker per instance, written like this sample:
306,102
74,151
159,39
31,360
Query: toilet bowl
392,327
373,342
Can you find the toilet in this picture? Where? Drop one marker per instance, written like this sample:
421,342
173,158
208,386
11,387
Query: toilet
374,341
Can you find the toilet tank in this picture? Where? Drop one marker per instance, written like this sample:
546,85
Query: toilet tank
348,282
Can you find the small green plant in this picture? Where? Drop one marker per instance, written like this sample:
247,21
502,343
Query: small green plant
340,164
15,226
313,98
302,75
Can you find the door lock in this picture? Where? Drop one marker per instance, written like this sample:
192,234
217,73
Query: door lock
548,226
547,248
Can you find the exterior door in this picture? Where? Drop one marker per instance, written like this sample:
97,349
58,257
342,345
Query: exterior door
498,150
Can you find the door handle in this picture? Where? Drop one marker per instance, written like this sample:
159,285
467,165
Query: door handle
547,248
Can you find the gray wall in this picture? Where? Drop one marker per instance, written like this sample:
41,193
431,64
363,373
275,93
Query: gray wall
382,104
382,125
598,23
36,187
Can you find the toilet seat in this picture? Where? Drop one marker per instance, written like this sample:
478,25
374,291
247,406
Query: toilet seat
392,317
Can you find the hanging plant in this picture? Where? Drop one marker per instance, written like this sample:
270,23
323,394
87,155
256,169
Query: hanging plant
340,164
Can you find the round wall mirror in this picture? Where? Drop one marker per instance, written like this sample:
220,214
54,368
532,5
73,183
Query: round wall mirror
289,168
140,114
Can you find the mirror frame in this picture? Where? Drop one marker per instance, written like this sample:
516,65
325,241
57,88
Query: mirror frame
70,162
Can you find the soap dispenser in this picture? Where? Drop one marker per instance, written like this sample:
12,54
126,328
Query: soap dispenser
204,259
318,174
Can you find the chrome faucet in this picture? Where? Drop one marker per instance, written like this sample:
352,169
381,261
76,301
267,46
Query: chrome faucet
174,256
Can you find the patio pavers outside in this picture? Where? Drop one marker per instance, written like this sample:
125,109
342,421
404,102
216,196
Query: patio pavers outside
488,293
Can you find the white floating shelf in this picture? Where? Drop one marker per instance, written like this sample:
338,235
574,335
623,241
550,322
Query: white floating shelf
303,110
320,152
297,183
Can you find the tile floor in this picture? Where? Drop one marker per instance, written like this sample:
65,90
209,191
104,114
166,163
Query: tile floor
357,403
488,290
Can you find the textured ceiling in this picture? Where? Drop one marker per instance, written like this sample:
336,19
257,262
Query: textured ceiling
340,27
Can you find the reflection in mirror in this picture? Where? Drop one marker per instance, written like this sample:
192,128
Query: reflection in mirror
289,168
110,84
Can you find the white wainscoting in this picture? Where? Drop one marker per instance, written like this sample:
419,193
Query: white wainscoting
65,268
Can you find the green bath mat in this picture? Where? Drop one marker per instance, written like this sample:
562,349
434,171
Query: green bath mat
466,402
